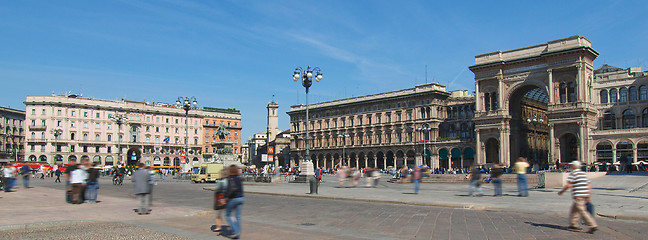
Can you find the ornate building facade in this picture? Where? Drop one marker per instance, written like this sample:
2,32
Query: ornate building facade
65,127
547,102
386,129
12,134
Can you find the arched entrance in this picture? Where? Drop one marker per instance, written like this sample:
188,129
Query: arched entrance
109,161
604,152
443,158
411,159
380,157
568,148
400,159
391,161
42,158
134,155
492,151
455,160
529,130
468,157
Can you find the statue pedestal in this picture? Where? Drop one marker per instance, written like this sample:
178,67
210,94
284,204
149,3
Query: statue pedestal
307,170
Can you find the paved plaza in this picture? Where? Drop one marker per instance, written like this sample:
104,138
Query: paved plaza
182,210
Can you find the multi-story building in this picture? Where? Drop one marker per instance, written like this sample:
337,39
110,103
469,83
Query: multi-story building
385,129
228,119
12,134
547,102
65,127
544,102
256,147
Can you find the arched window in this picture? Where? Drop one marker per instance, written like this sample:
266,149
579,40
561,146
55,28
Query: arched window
623,95
643,92
451,131
563,93
633,93
465,131
609,120
487,101
613,96
604,96
644,117
571,92
628,119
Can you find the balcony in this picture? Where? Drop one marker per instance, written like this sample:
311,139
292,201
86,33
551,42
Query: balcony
37,128
37,140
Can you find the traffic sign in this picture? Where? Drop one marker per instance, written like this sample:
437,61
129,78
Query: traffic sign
183,154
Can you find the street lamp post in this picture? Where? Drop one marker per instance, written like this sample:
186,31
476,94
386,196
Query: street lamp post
119,119
535,121
343,136
186,104
425,128
56,133
307,80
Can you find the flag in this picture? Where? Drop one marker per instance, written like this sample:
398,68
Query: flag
167,139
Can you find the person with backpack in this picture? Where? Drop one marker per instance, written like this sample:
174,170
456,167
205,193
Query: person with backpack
234,202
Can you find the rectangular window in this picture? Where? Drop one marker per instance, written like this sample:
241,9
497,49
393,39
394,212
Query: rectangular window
85,148
96,149
43,123
59,112
85,124
72,124
85,114
98,115
73,113
109,126
97,125
109,149
43,112
42,148
33,111
32,148
72,148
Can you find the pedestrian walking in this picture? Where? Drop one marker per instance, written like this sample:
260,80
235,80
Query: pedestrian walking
475,181
58,175
26,173
141,178
234,202
581,192
9,177
220,200
495,176
521,166
93,184
341,175
78,181
416,178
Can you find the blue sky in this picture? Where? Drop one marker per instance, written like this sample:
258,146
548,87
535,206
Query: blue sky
240,53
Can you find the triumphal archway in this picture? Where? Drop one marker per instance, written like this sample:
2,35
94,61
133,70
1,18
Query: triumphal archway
535,102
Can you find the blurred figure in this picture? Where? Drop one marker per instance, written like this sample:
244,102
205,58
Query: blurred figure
26,173
78,180
581,192
141,179
341,175
521,169
356,176
9,177
416,178
58,175
475,180
93,184
403,174
220,199
234,202
495,175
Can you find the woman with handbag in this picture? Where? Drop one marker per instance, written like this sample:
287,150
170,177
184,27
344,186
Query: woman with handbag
220,200
234,201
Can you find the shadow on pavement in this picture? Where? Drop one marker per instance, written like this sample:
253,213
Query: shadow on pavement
548,226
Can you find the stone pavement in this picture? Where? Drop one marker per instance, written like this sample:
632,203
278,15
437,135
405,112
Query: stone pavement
285,211
615,196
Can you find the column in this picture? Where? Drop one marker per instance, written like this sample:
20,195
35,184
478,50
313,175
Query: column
582,151
634,153
550,85
365,162
478,96
614,155
479,159
504,146
551,149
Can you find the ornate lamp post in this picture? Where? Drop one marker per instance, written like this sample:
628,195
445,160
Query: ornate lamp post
56,133
307,80
425,128
119,119
187,103
343,136
535,121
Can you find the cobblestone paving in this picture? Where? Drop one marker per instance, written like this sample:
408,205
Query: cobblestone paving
87,230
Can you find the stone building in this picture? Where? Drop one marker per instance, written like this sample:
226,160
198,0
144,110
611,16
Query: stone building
65,127
12,135
386,129
214,145
547,102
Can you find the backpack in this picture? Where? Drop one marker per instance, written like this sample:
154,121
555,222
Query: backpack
233,188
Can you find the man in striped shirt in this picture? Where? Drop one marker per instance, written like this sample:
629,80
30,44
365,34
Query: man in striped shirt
581,191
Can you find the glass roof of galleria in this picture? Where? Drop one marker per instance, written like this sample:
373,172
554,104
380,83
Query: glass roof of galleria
538,95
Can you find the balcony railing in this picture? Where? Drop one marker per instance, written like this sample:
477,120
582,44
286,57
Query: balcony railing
37,128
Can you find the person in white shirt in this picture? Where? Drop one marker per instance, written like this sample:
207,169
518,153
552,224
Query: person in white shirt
78,180
9,177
